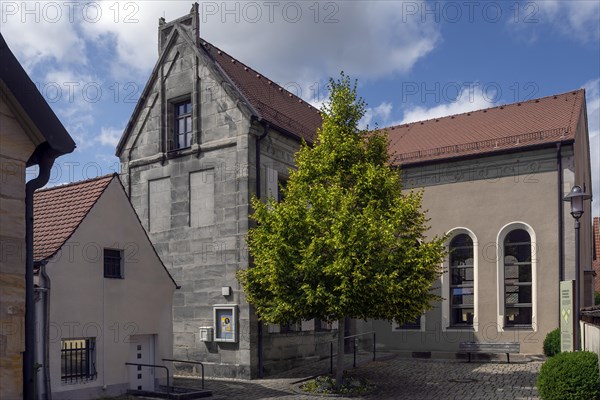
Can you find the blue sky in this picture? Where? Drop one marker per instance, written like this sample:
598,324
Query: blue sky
413,59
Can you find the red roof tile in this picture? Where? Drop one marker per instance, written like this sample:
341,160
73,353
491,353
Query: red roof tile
546,120
274,103
58,211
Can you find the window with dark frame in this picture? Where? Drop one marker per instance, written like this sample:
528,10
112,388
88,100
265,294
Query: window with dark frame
78,360
182,125
518,279
113,264
410,325
462,292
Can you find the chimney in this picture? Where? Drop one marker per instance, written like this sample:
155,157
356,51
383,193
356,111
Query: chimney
190,23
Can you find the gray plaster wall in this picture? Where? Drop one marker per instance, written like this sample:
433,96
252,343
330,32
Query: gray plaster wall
484,195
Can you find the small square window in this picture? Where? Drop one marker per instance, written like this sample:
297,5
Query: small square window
113,264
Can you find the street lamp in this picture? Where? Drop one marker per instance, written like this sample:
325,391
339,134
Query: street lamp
576,197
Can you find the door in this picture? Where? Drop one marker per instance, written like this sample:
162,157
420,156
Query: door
141,351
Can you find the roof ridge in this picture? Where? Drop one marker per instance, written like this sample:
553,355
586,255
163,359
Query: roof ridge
575,92
206,43
69,184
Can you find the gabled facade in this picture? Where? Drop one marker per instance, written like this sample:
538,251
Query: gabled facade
209,131
30,134
104,298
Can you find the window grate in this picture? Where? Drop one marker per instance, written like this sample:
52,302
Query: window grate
78,360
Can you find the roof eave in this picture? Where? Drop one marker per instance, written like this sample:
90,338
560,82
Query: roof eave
465,157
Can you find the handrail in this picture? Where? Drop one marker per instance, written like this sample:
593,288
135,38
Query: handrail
155,366
189,362
359,334
354,347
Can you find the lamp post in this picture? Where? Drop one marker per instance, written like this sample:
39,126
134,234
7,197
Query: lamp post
576,197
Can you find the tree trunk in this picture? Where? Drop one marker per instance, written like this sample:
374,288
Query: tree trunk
340,355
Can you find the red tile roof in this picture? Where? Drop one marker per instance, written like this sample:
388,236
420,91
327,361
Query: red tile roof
546,120
58,211
274,103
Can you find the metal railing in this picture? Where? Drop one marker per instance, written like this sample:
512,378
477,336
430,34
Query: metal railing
189,362
155,366
354,348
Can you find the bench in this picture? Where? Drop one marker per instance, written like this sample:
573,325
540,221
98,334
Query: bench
494,348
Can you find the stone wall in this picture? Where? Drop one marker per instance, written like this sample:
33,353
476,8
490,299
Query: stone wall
15,149
198,233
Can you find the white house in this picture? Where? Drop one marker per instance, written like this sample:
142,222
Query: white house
104,298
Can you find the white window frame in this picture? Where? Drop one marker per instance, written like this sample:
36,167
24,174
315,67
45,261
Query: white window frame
445,280
506,229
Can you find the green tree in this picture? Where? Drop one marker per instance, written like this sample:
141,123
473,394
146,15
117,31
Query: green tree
345,242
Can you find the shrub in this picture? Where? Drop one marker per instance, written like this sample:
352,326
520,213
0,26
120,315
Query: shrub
552,343
570,376
597,298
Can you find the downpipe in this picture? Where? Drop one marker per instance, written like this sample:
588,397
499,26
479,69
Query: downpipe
44,156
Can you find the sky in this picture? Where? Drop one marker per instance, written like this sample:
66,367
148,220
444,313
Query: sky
413,60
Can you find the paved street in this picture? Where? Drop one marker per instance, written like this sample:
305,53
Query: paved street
399,378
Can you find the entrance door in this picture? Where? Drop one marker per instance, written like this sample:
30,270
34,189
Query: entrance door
141,351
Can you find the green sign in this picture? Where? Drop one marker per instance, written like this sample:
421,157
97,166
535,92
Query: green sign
567,316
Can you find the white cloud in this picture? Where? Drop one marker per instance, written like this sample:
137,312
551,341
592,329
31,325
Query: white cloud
366,39
469,99
110,136
593,113
379,115
578,19
38,32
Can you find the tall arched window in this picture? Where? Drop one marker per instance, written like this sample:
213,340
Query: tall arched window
518,279
462,291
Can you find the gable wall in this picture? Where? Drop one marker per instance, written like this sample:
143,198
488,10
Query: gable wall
202,256
85,304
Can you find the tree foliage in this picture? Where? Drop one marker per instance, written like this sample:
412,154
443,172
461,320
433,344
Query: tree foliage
346,241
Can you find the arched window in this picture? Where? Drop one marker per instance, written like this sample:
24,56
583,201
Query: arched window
518,278
462,291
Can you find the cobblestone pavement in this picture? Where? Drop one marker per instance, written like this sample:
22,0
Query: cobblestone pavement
397,378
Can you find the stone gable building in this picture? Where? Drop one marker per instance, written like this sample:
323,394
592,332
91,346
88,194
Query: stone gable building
209,131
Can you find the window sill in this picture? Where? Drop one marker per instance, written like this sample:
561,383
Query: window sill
184,151
81,381
460,328
518,328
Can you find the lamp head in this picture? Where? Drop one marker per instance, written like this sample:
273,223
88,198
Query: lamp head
576,197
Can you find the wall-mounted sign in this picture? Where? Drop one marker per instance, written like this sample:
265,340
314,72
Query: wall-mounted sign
225,322
567,316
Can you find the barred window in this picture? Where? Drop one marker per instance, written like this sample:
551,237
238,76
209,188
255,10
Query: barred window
113,264
78,360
